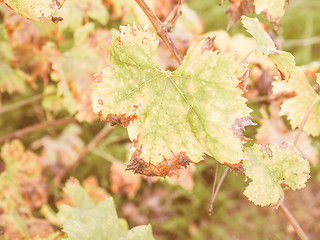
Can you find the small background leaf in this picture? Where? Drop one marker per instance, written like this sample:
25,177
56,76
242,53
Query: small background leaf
272,167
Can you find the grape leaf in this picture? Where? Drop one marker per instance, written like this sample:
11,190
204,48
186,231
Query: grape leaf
11,79
174,117
264,41
273,9
63,151
272,167
74,70
23,189
297,106
90,221
35,9
283,60
75,11
318,78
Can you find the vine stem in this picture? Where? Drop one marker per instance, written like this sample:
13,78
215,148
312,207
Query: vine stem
213,188
92,144
305,120
213,197
20,104
293,222
162,30
174,14
19,133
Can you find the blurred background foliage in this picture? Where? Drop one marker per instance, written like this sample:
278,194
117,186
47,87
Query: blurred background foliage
39,60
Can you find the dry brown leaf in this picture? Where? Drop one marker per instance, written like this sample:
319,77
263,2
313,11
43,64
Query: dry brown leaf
237,8
96,193
124,182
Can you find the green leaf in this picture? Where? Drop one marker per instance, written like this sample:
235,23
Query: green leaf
302,96
89,221
11,79
140,232
74,71
271,167
318,78
265,44
173,117
283,60
75,11
285,63
35,9
274,9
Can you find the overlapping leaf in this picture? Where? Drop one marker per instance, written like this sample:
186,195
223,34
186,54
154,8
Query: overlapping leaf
35,9
296,107
175,117
274,9
90,221
74,70
271,168
283,60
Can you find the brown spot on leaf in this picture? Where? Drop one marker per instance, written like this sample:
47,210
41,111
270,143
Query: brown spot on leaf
100,101
208,44
166,168
100,115
267,150
121,119
137,165
98,77
243,81
237,168
56,19
239,125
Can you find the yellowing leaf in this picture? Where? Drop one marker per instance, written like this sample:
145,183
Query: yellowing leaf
75,68
272,167
297,106
22,189
35,9
90,221
174,117
284,61
273,9
264,41
11,80
75,11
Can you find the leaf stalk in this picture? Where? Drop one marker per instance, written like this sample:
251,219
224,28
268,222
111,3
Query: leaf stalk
161,29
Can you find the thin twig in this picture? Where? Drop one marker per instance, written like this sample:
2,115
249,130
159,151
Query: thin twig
218,188
20,103
95,141
247,56
293,222
301,42
161,29
173,15
305,120
92,144
19,133
213,188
